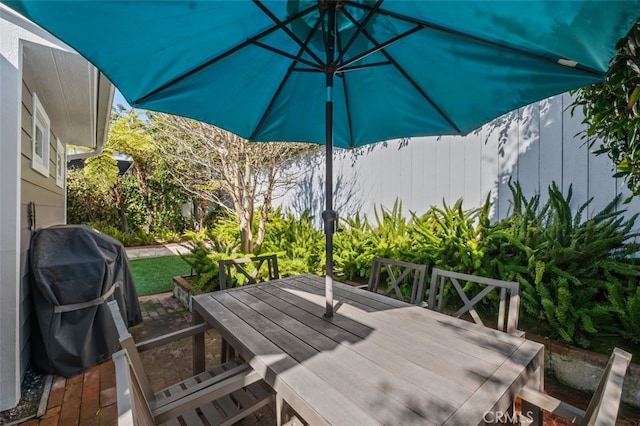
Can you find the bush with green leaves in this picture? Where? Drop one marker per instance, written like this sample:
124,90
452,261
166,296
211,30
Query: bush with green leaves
359,241
204,266
578,275
353,249
451,238
298,244
86,204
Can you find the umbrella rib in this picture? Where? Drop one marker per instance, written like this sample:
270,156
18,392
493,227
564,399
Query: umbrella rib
308,70
360,27
346,92
292,68
378,46
363,66
221,56
346,102
298,58
426,24
281,25
415,85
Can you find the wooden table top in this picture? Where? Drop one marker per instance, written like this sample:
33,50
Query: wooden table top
377,361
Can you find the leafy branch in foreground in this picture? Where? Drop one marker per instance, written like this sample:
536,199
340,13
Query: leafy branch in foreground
611,111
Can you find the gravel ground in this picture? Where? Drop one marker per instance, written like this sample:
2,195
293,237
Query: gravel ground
32,388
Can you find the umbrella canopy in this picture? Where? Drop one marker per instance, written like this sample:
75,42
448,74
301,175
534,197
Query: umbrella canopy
340,72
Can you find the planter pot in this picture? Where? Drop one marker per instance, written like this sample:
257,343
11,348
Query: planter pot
182,290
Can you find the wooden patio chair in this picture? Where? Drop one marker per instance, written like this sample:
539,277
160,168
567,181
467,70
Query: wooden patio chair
398,273
227,266
604,404
507,318
221,396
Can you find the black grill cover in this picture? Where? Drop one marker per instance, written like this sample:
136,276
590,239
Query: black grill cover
75,271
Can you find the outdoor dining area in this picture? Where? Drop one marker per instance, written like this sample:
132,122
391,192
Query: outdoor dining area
415,345
378,360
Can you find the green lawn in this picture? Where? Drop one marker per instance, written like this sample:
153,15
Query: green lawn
154,275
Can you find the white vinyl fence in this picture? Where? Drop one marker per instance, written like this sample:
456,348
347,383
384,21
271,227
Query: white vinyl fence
535,145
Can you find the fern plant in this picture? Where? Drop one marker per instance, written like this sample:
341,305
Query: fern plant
569,268
296,241
353,249
204,264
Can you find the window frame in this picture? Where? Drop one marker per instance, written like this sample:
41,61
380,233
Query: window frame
61,163
40,119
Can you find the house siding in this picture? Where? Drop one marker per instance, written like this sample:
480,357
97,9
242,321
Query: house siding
535,145
49,202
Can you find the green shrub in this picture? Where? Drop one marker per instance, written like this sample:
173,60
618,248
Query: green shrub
577,275
296,242
570,270
204,265
299,245
353,249
359,241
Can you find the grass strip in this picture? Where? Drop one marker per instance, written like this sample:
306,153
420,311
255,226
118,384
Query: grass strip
154,275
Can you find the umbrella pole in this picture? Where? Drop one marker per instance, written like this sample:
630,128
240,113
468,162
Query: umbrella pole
329,216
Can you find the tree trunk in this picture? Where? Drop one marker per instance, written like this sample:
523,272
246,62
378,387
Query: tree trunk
264,214
124,223
141,177
199,206
246,232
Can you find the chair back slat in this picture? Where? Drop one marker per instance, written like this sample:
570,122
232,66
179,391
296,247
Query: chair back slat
507,319
501,308
398,272
604,405
123,396
227,266
128,344
132,406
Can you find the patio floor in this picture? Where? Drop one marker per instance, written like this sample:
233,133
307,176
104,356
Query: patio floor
90,398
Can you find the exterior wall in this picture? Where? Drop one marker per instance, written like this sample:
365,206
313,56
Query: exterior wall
13,29
535,145
9,211
77,100
49,201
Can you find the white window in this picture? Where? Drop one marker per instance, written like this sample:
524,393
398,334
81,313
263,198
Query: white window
40,139
61,164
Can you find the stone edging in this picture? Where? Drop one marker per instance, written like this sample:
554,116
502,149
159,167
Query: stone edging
182,291
581,369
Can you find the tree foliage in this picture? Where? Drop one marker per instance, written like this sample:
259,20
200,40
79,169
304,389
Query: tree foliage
611,111
236,175
143,198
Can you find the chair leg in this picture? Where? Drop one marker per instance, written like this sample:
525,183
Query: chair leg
279,409
294,421
226,352
529,412
285,415
198,359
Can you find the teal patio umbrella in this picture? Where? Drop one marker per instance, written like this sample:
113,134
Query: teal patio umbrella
344,73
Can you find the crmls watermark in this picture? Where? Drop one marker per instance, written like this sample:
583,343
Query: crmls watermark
502,417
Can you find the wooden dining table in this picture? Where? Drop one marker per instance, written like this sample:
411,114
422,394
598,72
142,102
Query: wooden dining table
376,361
